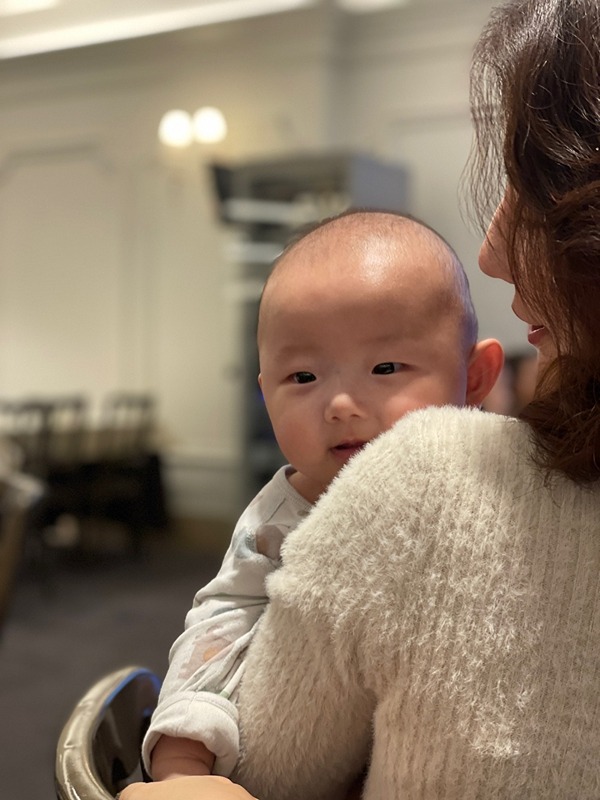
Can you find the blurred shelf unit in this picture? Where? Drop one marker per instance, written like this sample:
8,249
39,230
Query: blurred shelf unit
266,202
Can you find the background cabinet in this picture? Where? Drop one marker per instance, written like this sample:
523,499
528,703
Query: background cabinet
267,201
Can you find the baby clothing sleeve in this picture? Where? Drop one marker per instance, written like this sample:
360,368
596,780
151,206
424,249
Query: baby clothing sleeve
199,694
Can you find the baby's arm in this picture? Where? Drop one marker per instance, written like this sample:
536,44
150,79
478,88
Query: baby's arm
194,729
176,758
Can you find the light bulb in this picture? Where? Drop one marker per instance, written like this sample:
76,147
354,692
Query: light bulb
175,129
209,125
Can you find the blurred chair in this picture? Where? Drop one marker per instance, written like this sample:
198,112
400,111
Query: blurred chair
126,483
64,457
26,423
98,751
67,428
48,431
127,424
18,496
49,434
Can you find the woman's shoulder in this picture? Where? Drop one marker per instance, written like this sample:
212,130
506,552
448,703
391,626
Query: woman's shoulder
411,485
448,422
438,435
428,454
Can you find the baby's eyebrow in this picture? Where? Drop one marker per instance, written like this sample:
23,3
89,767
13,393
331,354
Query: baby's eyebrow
383,338
290,350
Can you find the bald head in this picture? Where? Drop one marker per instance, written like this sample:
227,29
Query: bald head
374,251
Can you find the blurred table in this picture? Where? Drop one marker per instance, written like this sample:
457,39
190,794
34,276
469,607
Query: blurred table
110,471
99,480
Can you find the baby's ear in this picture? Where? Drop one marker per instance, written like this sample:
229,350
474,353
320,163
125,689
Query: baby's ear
260,379
485,364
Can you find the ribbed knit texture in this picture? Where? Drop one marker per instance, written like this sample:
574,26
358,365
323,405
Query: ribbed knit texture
438,613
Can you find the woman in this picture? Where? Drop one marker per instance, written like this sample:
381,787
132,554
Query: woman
438,614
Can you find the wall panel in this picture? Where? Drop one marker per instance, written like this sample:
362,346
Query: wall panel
60,267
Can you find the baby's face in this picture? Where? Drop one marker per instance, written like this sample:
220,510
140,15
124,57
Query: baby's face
354,336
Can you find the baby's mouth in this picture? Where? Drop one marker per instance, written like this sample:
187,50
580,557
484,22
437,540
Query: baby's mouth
349,448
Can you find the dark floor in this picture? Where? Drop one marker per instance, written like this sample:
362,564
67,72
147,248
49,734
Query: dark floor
94,615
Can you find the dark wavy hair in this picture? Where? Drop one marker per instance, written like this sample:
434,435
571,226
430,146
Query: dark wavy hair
535,100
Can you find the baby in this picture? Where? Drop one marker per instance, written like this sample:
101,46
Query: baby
363,319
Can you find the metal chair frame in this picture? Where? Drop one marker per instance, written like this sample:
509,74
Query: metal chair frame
98,751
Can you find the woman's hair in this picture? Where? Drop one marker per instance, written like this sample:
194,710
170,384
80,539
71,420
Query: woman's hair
535,100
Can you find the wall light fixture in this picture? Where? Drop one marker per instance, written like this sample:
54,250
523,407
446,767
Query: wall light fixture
179,128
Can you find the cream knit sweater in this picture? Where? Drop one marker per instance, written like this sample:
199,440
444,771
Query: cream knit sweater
438,616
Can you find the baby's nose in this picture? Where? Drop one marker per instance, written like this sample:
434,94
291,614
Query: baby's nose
342,406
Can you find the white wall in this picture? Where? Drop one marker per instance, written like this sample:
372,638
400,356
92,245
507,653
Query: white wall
112,266
409,88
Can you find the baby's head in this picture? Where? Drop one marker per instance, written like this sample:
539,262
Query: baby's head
364,318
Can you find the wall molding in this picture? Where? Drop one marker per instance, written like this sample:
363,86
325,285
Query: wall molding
16,157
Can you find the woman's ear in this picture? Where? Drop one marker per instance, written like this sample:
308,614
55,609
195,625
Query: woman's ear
485,364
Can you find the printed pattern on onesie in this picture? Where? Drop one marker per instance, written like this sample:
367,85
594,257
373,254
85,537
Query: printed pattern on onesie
226,611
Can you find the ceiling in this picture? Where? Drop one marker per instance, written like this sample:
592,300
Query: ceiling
38,26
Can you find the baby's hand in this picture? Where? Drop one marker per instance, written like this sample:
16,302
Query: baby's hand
203,787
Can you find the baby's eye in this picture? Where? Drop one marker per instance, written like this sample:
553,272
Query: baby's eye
387,368
303,377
